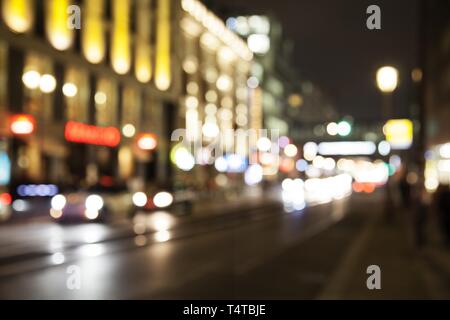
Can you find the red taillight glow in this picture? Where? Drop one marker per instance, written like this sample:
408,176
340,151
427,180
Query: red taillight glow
83,133
22,124
5,199
364,187
369,188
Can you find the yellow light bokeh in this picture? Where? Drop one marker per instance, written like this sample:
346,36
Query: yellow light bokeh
163,76
143,67
58,33
399,133
120,48
93,36
18,14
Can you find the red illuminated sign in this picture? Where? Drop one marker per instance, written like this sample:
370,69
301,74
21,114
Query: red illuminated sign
88,134
22,124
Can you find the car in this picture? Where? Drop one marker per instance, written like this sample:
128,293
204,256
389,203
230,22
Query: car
95,204
178,201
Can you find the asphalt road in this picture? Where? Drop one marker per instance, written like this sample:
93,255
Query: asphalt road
261,252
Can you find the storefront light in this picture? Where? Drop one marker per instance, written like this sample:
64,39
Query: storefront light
93,36
22,124
128,130
31,79
217,28
211,74
182,158
192,88
120,51
163,77
143,66
70,90
100,98
264,144
224,83
241,120
18,14
291,151
332,129
259,43
59,35
444,151
210,130
226,55
208,41
147,142
191,102
211,96
5,164
190,27
82,133
253,82
47,83
190,65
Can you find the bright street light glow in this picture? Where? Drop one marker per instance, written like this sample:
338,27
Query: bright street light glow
31,79
47,83
70,90
259,43
290,150
344,128
332,129
350,148
128,130
387,79
384,148
310,150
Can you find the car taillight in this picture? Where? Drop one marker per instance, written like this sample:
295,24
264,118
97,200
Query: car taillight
5,199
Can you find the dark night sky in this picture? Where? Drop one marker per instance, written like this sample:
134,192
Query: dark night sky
334,49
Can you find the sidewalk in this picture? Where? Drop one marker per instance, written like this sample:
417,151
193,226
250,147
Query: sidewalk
407,272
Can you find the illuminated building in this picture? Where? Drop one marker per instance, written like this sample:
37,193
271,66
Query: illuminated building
133,69
290,103
433,89
216,99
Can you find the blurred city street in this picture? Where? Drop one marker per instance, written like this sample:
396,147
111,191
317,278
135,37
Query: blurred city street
257,252
224,149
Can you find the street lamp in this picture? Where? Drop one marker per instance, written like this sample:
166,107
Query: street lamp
387,82
387,79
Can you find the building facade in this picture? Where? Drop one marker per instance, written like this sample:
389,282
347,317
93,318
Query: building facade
92,91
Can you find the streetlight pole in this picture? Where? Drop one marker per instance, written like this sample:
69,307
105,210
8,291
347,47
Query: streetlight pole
387,82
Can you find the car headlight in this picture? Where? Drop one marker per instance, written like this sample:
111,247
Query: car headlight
163,199
140,199
58,202
94,202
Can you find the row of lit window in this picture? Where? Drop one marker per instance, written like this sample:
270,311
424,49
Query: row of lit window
40,82
19,16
